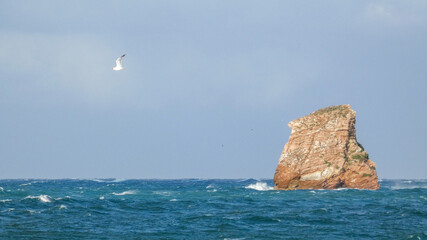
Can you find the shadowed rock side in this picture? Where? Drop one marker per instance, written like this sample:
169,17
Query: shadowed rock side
323,153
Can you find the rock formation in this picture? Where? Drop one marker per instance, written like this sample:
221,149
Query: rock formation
323,153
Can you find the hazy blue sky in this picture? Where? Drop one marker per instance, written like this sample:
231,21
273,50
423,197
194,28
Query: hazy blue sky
208,87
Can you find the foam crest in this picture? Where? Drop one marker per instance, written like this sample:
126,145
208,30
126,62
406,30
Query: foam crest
112,180
341,189
408,184
401,187
162,193
259,186
130,192
42,198
32,211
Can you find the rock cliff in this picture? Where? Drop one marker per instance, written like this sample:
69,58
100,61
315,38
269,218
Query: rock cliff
323,153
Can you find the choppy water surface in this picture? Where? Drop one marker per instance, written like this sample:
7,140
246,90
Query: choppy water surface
208,209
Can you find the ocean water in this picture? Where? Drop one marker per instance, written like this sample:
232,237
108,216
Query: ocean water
208,209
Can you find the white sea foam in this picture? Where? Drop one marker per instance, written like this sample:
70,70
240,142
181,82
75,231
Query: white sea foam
130,192
107,180
162,193
408,184
32,211
25,184
210,186
400,187
42,198
102,197
62,207
1,189
6,200
259,186
173,200
340,189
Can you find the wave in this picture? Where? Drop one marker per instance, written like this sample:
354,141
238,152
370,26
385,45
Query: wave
32,211
246,180
42,198
259,186
344,189
25,184
107,180
162,193
407,184
401,187
6,200
130,192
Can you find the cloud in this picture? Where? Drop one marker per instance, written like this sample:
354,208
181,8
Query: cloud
396,13
380,11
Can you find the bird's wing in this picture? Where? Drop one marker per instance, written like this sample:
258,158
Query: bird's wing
119,60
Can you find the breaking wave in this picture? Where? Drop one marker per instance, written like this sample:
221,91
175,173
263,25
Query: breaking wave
130,192
107,180
259,186
401,187
42,198
408,184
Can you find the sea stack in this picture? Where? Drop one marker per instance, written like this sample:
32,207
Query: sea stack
323,153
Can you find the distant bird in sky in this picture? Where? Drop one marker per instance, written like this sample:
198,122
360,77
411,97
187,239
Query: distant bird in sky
119,63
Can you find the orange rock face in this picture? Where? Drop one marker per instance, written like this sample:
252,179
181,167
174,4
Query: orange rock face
323,153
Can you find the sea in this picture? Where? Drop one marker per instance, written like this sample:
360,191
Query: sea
208,209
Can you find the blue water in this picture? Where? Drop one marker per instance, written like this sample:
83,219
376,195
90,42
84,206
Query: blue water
208,209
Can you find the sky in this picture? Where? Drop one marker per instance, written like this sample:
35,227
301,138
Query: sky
208,86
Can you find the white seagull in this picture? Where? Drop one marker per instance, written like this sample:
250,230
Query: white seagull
119,63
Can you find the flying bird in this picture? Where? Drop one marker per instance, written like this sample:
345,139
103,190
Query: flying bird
119,63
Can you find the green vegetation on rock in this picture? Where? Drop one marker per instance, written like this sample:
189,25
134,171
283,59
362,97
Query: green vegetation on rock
359,157
341,110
